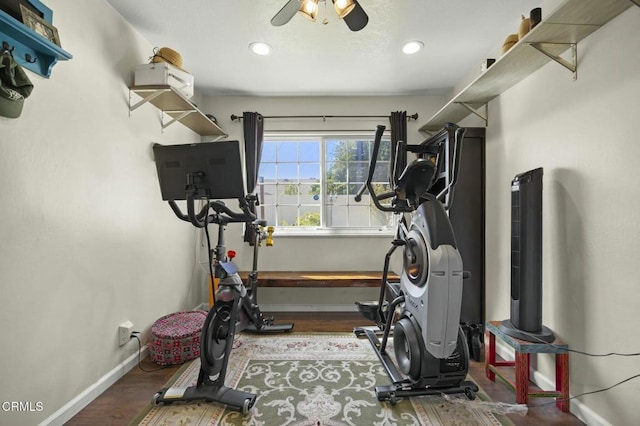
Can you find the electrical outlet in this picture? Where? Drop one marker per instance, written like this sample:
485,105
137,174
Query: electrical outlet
124,332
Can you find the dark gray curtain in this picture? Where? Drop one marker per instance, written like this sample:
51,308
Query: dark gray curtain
398,120
252,123
253,126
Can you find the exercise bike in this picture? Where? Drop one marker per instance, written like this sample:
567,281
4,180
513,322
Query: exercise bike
422,310
208,171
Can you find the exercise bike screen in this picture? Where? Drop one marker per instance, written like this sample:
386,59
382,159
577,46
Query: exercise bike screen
213,168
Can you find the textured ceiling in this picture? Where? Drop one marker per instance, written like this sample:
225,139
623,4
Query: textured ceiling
315,59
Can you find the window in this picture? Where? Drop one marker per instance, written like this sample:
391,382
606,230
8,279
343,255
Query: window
309,183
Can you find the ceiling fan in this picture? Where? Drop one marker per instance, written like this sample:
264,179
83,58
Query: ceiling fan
349,10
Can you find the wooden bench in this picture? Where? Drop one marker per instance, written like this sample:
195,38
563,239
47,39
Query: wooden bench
315,279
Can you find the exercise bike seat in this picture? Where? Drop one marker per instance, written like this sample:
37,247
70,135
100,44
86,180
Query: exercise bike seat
415,180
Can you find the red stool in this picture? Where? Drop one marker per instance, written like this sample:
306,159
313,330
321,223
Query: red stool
523,349
175,338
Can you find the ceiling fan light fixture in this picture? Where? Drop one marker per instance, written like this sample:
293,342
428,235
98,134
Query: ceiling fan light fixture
343,7
309,9
411,47
260,48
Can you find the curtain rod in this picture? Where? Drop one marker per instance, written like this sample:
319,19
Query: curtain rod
324,117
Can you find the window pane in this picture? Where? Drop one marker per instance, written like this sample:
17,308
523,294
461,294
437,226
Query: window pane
336,172
309,152
336,188
359,215
310,194
287,172
288,193
267,194
358,171
288,152
359,151
287,215
337,216
335,150
340,200
381,172
300,187
267,171
353,188
384,151
269,214
310,171
268,151
380,219
309,216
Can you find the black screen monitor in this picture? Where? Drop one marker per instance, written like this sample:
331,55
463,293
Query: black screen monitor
213,168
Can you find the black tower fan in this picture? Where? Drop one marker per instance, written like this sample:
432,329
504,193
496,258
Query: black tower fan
526,260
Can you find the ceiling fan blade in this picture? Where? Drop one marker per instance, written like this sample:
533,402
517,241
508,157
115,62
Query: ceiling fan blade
357,19
286,13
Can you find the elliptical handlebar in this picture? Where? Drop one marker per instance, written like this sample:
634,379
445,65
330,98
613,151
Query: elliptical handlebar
447,142
372,164
448,191
372,168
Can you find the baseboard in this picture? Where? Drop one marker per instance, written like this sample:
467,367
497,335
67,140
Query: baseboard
308,308
73,407
296,308
578,409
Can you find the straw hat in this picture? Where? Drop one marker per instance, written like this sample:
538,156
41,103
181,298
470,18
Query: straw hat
170,56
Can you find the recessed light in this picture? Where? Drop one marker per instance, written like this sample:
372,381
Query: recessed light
260,48
412,47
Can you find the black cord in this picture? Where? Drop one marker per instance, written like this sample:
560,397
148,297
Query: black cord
139,361
587,354
586,393
577,351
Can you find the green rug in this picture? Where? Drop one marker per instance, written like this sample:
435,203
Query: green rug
313,379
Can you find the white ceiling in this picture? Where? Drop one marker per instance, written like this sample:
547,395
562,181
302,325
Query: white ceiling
308,59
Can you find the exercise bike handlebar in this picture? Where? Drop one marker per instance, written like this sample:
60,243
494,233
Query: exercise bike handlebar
231,216
223,213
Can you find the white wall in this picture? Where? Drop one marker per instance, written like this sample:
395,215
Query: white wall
584,135
85,239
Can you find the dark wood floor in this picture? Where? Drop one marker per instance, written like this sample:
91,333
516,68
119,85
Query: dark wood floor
126,398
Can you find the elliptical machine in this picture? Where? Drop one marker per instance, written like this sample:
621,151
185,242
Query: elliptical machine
211,171
422,310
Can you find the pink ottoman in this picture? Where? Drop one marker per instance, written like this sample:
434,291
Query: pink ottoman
175,338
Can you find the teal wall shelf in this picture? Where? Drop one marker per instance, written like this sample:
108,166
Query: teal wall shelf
31,50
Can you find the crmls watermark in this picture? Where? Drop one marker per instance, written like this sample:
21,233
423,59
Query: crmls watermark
22,406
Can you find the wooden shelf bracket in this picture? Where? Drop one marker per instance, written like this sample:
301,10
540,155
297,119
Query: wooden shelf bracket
179,115
146,98
476,111
570,65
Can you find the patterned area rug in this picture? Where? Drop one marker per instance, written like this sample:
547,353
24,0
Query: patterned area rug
312,379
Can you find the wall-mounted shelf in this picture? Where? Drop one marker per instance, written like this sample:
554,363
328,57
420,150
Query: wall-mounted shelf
31,50
176,107
561,31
